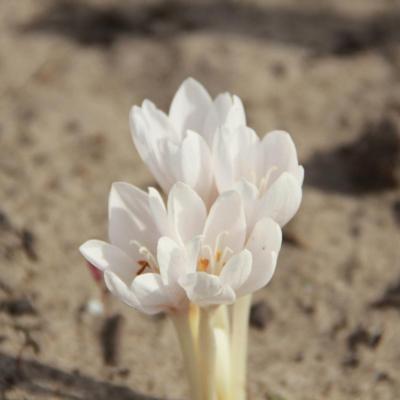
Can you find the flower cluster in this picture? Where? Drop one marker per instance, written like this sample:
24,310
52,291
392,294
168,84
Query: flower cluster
229,193
214,241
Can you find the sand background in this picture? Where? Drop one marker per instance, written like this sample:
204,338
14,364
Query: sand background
326,71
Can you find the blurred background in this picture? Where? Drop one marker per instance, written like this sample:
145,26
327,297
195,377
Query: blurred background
327,327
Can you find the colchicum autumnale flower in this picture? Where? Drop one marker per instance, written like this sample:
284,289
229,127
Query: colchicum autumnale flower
207,145
160,258
216,241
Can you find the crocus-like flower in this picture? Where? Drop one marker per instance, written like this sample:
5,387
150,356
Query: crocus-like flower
177,147
207,145
265,172
161,256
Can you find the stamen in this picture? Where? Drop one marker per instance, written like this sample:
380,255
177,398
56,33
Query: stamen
143,264
145,252
203,264
218,244
226,254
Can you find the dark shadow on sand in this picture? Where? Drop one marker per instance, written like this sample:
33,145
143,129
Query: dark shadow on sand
45,381
322,31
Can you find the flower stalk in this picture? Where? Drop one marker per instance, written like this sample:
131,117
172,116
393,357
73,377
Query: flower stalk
214,349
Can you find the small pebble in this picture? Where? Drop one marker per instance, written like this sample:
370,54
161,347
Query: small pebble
95,307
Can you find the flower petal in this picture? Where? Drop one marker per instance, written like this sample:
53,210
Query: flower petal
227,110
190,106
205,289
237,270
236,115
223,160
150,291
147,131
130,218
264,244
105,256
121,290
226,216
196,165
187,212
159,212
281,201
249,194
278,153
235,156
171,260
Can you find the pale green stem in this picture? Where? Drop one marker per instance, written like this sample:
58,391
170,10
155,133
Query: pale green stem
207,354
240,327
189,350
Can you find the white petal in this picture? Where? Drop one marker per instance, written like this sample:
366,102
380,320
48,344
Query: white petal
146,137
223,160
249,195
227,110
130,218
193,248
196,164
120,289
236,115
264,243
171,153
216,116
278,152
237,270
235,156
171,260
205,289
187,212
300,175
190,106
160,125
281,201
159,212
105,256
226,215
150,291
247,146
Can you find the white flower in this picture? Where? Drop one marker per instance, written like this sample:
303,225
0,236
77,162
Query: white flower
177,147
161,256
265,172
206,144
141,267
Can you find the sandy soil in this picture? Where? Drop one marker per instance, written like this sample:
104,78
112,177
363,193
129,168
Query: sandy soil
326,71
